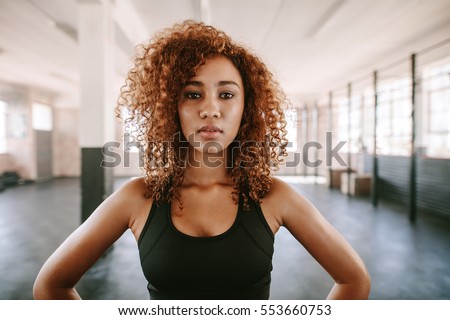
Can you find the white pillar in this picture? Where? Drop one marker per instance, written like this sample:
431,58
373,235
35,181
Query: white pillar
96,50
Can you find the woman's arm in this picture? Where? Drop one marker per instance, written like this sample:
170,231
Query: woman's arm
324,243
86,244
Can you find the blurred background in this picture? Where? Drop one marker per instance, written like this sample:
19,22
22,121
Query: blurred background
367,79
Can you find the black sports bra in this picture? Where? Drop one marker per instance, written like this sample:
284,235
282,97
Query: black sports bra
234,265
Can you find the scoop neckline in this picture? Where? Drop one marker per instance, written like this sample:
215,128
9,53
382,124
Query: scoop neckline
209,238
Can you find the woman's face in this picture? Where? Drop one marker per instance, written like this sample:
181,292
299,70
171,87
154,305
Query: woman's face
211,106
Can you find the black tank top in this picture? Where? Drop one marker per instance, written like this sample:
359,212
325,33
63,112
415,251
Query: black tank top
234,265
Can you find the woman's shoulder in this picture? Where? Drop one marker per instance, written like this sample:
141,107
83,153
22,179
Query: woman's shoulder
283,199
280,190
275,201
131,194
134,185
134,204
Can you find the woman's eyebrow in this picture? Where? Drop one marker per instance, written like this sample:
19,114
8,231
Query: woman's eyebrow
227,82
194,83
219,84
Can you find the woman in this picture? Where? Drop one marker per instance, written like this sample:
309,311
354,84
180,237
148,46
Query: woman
209,118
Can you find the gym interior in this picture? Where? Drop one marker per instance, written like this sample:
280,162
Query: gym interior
368,129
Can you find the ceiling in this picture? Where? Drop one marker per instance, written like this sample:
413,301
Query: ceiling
312,46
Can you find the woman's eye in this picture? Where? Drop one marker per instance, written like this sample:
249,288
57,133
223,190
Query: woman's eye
226,95
192,95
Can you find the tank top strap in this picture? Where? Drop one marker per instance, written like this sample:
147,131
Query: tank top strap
255,225
156,225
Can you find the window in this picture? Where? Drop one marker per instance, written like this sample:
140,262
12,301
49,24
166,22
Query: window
342,127
394,117
350,134
355,143
3,148
292,127
42,117
130,131
437,106
368,118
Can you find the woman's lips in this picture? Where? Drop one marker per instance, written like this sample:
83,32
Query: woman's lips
209,132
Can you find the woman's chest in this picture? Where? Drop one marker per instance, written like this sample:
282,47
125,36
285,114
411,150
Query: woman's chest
232,259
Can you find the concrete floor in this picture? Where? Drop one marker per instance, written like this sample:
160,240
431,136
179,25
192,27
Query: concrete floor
405,261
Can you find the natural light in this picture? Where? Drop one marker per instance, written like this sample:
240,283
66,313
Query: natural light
42,117
3,147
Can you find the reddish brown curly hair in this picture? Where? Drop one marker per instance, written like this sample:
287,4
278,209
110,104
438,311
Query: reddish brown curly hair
150,98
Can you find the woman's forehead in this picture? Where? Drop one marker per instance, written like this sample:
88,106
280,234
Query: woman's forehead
220,68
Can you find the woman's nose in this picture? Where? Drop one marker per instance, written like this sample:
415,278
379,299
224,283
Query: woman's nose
210,109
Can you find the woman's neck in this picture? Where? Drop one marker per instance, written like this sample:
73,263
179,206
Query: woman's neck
206,169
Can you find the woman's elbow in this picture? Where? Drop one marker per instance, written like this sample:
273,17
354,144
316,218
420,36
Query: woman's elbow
363,283
47,287
40,289
43,289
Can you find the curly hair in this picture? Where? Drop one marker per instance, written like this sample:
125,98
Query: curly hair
148,105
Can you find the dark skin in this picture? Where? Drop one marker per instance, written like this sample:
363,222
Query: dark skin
210,109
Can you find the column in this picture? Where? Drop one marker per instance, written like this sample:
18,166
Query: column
349,131
413,164
374,187
330,129
96,45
